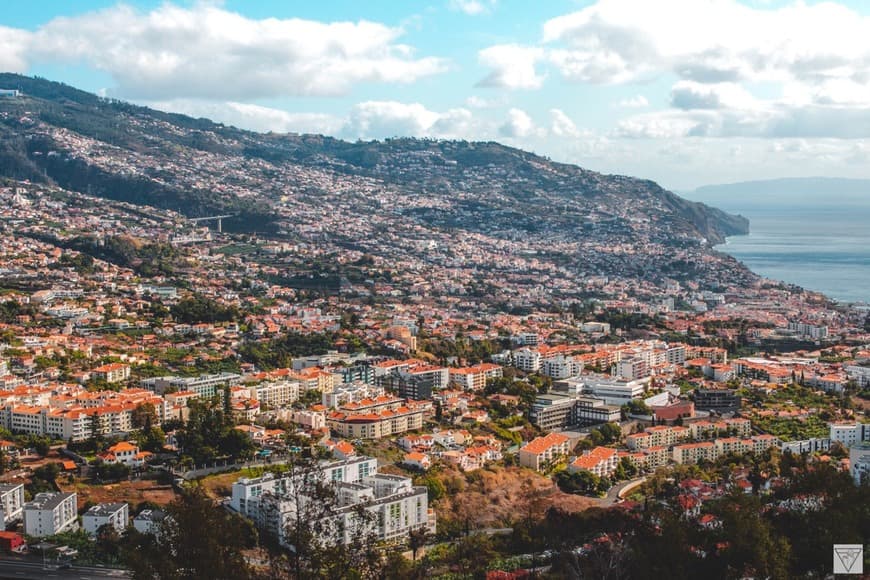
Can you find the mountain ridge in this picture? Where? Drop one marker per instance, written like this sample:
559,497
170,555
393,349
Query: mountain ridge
82,112
390,198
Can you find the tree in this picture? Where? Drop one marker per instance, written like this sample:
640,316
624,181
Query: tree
96,431
582,481
326,541
210,433
103,471
416,540
196,540
144,416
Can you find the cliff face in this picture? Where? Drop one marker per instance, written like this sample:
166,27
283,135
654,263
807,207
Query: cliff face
120,151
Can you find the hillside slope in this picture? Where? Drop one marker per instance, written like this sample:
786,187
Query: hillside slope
355,195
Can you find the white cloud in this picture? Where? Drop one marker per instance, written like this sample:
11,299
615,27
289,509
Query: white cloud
472,7
694,95
253,117
13,45
381,119
767,120
561,124
518,125
513,66
817,53
708,41
211,53
635,102
476,102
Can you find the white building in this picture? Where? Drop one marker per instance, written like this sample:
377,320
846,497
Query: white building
805,445
614,391
860,375
116,515
813,331
561,367
50,513
631,368
528,338
397,506
11,503
276,394
148,521
859,462
850,434
527,360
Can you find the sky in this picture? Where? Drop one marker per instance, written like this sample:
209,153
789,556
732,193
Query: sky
685,92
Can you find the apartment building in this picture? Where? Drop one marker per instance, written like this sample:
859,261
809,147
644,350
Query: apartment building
205,386
717,400
116,515
112,373
805,445
375,424
50,513
737,426
712,450
631,369
694,452
148,521
602,461
396,504
276,394
543,451
11,503
75,423
657,436
474,378
556,411
850,434
527,360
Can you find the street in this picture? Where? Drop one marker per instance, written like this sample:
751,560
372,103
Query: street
20,569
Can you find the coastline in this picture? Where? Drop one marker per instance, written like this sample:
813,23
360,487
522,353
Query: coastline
783,265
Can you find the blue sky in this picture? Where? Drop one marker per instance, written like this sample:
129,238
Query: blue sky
686,92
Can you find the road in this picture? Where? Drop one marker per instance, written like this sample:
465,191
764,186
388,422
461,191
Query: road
615,493
21,569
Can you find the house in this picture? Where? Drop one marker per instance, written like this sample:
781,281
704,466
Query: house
11,503
411,442
601,461
542,451
340,449
416,460
116,515
50,513
126,453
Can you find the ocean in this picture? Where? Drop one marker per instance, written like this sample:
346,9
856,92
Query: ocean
819,245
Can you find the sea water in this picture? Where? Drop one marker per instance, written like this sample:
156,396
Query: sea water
821,245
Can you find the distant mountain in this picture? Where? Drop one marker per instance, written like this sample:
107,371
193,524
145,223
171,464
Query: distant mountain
803,189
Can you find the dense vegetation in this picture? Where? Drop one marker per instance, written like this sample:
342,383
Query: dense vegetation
197,309
210,434
279,352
